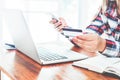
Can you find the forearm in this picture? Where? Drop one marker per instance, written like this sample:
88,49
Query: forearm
112,47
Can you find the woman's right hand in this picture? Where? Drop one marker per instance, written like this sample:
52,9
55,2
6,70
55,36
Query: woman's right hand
59,24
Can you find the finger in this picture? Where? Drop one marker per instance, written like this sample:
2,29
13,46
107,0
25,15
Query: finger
58,24
82,42
79,44
62,20
87,48
53,21
87,45
60,28
87,37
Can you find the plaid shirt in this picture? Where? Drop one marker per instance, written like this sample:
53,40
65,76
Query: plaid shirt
108,24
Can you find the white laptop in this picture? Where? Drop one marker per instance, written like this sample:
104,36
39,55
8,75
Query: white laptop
47,53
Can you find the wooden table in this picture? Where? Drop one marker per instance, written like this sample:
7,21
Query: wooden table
17,66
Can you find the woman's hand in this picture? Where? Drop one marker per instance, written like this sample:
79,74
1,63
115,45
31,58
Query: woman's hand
59,24
90,42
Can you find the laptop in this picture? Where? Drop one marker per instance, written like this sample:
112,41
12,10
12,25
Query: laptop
43,53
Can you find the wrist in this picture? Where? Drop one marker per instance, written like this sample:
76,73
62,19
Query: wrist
102,45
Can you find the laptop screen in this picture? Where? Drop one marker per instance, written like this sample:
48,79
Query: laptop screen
20,33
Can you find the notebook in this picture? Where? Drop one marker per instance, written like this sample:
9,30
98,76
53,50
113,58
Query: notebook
58,51
101,64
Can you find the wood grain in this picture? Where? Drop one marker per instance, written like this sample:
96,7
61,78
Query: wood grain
17,66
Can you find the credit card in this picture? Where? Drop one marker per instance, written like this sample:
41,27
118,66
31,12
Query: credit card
70,32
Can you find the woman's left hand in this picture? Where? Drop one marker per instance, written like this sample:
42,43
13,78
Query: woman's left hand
90,42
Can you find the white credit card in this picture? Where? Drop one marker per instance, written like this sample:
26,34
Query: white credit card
69,32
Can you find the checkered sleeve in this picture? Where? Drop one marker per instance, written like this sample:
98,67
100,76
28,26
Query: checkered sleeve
113,44
98,26
112,48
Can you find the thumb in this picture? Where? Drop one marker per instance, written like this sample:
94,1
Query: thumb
62,20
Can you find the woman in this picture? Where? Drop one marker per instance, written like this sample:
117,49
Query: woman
107,22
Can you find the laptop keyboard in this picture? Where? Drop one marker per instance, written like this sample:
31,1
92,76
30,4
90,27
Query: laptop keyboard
47,55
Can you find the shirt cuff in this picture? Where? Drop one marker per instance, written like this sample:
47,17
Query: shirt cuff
111,49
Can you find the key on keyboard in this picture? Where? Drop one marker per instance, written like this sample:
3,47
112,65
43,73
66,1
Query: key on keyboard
47,55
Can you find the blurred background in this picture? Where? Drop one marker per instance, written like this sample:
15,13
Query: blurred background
38,13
